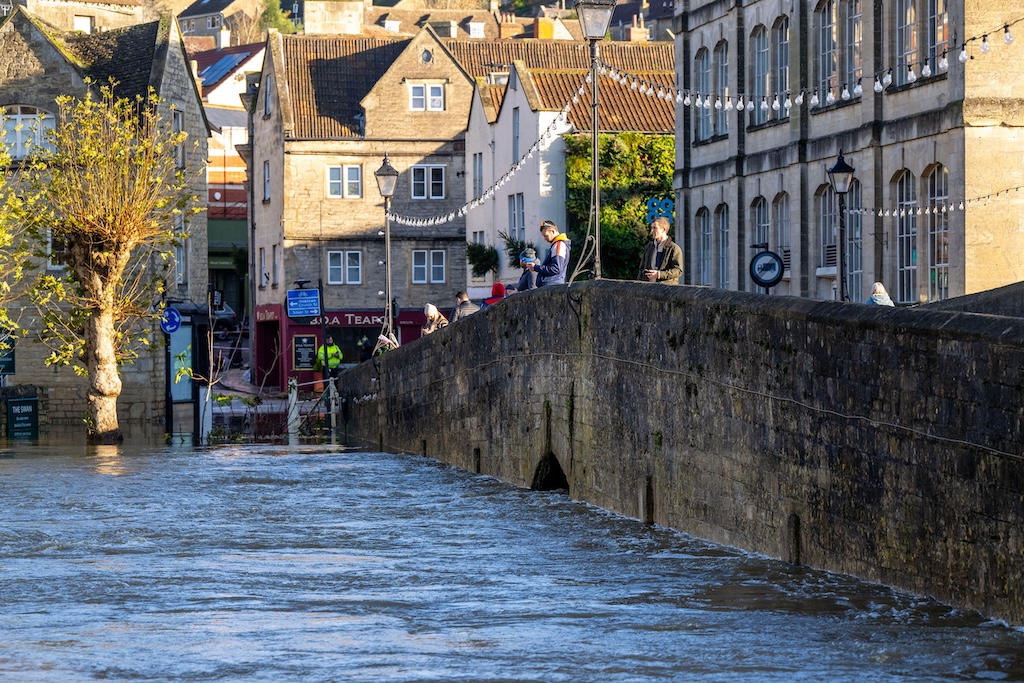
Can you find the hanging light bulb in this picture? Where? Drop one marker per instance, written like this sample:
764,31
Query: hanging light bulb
887,78
764,104
679,97
728,104
1007,36
830,98
845,95
911,76
650,91
926,70
636,84
799,99
661,94
775,104
718,103
961,206
643,88
878,85
963,54
943,63
814,99
589,78
739,104
686,100
788,104
858,89
985,47
696,101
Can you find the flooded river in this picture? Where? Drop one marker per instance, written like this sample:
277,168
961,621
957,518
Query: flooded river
312,564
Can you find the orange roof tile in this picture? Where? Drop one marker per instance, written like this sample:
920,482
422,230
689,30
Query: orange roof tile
478,58
621,108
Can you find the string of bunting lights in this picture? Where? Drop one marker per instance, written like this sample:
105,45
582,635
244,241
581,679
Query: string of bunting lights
778,101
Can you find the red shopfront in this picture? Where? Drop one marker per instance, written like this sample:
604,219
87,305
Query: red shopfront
282,344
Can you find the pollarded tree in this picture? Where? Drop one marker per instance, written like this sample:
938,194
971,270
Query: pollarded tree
112,197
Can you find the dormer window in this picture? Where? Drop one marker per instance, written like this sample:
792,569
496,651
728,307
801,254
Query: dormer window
476,29
392,25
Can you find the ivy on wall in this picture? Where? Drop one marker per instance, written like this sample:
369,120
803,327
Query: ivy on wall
634,167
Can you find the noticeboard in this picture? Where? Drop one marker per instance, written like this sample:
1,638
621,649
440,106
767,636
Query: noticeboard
23,418
7,364
304,351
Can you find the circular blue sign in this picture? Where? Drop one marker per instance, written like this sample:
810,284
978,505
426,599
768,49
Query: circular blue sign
766,269
171,321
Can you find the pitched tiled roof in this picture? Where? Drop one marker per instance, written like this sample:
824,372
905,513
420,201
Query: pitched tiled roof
621,108
328,76
204,7
410,21
478,58
124,54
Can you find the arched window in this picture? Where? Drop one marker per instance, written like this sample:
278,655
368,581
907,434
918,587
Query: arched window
826,210
702,83
906,237
760,228
759,84
721,88
780,215
722,228
780,66
26,128
938,234
704,248
855,242
825,25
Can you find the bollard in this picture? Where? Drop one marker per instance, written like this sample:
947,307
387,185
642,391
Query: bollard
293,410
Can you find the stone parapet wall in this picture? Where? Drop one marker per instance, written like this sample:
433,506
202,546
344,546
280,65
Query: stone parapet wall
878,442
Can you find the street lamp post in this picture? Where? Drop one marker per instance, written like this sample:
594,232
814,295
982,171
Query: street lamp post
594,16
840,176
387,178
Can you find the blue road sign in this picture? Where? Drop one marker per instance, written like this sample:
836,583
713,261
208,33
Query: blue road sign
303,303
171,322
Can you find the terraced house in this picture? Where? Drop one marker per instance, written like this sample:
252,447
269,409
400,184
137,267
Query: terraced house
922,97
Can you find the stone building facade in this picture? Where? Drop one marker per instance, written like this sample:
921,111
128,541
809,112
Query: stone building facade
774,91
36,67
84,16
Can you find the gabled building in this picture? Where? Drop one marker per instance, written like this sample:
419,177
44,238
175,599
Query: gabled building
922,100
517,120
220,19
38,65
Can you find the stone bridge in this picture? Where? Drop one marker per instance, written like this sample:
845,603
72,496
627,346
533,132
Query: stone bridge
878,442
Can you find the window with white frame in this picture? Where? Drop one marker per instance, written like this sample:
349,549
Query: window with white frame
26,128
214,21
704,249
84,23
426,97
345,181
938,34
263,274
938,234
344,267
759,90
478,175
428,266
906,238
427,182
780,211
266,181
178,125
273,265
515,133
476,29
825,18
54,251
722,221
517,216
906,39
780,66
721,85
702,83
180,251
855,241
478,237
826,200
853,45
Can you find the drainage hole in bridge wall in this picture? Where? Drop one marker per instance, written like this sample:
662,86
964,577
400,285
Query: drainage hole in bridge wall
549,475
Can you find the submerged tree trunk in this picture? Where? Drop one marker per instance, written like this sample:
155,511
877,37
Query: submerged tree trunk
104,380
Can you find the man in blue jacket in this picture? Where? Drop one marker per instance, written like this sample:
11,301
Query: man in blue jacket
556,263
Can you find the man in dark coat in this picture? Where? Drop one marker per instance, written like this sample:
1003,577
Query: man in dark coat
663,259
